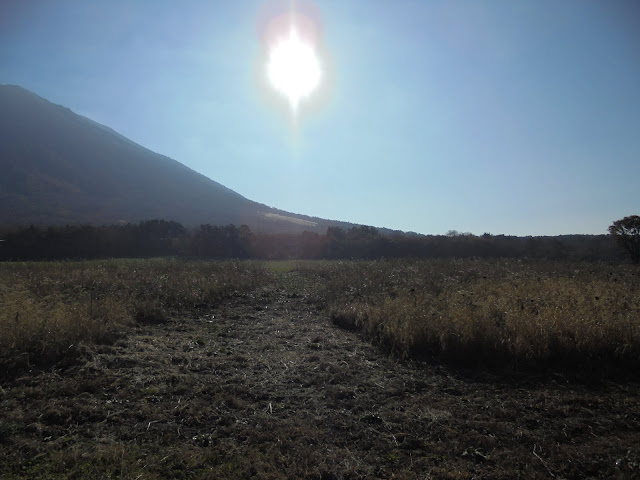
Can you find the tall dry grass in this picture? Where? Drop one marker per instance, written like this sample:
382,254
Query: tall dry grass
48,309
506,312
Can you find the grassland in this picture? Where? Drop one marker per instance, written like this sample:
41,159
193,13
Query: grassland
50,311
506,312
516,314
316,370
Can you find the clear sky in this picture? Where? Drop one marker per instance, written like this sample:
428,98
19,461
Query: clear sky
514,117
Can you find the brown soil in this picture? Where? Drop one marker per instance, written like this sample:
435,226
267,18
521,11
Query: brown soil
266,386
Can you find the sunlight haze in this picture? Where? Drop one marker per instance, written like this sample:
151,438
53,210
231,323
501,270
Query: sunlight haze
520,118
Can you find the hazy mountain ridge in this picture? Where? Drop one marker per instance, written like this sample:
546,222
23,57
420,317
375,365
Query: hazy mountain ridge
62,168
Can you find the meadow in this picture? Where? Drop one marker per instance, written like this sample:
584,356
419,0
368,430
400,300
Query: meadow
50,310
158,369
515,313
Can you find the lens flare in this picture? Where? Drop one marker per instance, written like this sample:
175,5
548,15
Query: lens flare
290,32
293,68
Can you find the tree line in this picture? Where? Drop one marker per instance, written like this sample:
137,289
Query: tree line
153,238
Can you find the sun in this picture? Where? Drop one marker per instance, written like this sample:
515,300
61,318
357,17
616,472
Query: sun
293,68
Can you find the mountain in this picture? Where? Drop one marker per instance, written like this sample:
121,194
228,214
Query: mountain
57,167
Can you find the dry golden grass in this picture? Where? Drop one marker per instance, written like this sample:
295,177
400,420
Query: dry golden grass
494,312
42,330
47,310
265,388
502,312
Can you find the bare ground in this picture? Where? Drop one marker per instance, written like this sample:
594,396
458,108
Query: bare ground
266,386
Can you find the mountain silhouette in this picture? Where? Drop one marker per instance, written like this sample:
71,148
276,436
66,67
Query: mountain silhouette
57,167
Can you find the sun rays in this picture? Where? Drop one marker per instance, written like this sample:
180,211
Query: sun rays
290,34
293,68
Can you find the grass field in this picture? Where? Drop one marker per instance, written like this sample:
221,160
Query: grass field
160,369
505,312
50,309
521,314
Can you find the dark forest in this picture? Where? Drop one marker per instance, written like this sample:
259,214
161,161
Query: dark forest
156,238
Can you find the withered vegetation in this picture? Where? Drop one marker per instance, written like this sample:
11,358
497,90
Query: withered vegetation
50,310
164,369
511,313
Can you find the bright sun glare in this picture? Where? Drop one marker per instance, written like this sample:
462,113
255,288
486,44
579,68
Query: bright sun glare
293,68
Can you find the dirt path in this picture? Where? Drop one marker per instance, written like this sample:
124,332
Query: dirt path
266,386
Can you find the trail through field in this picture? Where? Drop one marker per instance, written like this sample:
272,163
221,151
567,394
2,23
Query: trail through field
266,386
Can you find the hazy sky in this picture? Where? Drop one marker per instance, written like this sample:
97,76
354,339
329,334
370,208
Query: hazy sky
515,117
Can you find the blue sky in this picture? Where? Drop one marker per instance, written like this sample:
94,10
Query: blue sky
509,117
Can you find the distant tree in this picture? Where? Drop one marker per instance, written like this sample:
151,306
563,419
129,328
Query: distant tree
336,239
626,233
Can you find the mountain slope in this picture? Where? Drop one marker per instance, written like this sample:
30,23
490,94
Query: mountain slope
59,167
